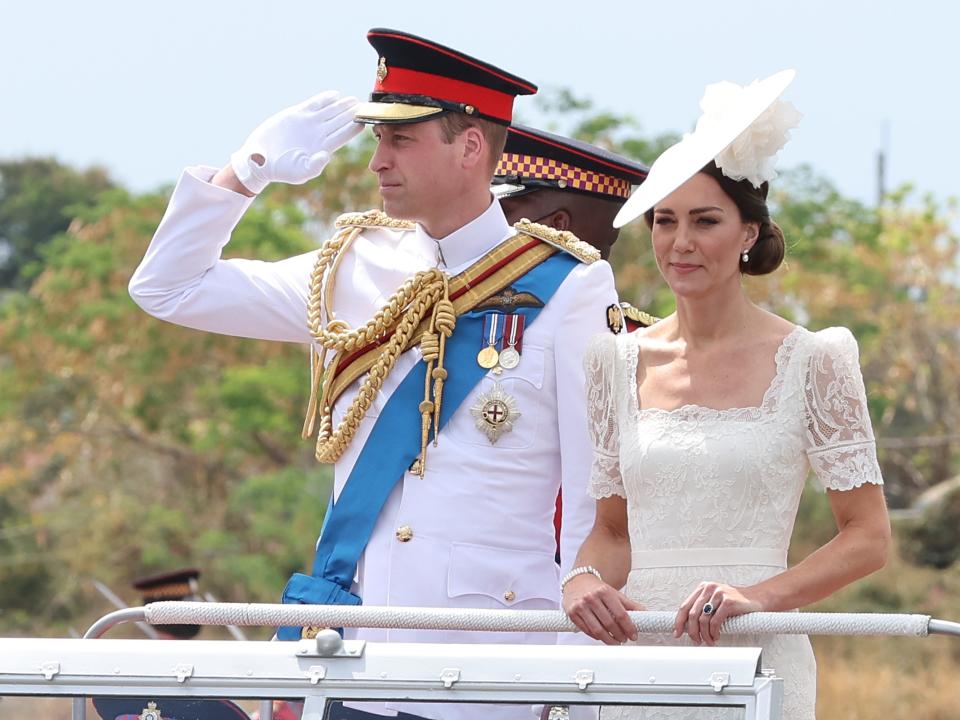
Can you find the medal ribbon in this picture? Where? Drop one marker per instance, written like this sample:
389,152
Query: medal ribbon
513,332
491,324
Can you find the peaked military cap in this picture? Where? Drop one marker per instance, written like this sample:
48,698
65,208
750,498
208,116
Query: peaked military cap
167,708
175,585
534,159
418,79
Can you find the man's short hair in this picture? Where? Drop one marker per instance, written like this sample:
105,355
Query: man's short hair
453,124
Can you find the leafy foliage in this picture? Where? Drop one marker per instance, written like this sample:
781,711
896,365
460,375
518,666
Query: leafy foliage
38,199
128,445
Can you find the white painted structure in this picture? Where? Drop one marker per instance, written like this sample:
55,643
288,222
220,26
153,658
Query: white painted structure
326,668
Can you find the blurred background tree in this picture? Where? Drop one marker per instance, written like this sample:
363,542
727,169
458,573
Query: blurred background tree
128,445
38,198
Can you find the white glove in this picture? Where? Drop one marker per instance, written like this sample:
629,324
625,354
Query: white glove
295,145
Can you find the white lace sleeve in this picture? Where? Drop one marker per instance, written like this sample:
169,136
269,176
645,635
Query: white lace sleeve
841,446
599,366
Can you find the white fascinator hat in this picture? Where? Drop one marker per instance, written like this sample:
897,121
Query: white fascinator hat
742,128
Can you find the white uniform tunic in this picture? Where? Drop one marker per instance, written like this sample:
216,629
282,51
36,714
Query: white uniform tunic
482,516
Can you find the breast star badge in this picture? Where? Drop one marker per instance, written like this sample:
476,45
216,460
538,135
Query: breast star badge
495,412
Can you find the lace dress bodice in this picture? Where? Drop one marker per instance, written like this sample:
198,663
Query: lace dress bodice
713,494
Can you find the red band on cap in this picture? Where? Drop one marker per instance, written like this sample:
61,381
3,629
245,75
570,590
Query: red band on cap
413,82
459,57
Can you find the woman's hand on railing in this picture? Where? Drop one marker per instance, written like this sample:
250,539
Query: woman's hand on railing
599,610
706,609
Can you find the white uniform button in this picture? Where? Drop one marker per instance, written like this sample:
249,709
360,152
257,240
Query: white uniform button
509,596
404,533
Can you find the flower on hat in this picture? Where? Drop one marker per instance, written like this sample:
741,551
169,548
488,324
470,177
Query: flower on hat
752,155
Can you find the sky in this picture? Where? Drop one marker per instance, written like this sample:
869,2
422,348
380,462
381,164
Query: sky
145,89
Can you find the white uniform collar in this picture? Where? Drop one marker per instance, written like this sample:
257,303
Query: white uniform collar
461,247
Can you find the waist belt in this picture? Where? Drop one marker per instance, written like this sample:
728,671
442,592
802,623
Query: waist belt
691,557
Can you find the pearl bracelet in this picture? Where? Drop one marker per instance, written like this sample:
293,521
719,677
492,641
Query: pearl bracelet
582,570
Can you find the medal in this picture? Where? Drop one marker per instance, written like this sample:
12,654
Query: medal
488,357
495,412
509,358
510,355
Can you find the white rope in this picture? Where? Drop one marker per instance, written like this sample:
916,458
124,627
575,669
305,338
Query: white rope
243,614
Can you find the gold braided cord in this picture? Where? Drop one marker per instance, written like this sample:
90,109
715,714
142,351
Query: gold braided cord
469,295
372,219
403,314
563,239
637,315
329,252
445,320
316,374
420,311
426,288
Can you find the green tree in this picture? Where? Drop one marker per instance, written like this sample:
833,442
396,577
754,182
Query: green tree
128,445
117,426
38,199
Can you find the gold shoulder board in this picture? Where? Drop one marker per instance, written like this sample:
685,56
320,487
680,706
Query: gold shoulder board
638,315
373,218
563,239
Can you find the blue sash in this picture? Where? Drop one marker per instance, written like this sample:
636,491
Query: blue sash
393,445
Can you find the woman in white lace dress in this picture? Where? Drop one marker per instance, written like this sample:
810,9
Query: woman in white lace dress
705,428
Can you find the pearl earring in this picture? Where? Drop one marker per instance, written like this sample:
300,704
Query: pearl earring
745,257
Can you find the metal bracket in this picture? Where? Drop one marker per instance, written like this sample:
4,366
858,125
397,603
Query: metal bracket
183,672
316,673
349,649
449,676
583,678
719,680
50,670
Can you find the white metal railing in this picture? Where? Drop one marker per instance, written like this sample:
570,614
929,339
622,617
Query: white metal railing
273,615
319,671
326,668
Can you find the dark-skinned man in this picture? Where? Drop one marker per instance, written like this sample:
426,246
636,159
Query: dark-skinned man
569,185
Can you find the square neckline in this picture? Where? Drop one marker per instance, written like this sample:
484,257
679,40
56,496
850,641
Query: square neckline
702,412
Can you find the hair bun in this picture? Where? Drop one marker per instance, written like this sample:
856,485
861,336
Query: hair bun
767,252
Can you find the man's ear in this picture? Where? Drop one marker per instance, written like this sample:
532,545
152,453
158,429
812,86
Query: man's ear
474,147
559,219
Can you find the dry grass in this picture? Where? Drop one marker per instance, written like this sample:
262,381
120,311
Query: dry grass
862,678
902,679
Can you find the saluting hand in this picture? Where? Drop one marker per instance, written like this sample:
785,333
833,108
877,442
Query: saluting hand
295,145
599,610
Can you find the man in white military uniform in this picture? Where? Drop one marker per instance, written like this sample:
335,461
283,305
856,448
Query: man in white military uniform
499,426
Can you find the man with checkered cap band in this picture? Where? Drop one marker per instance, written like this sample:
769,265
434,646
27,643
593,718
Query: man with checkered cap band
172,585
446,345
569,185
